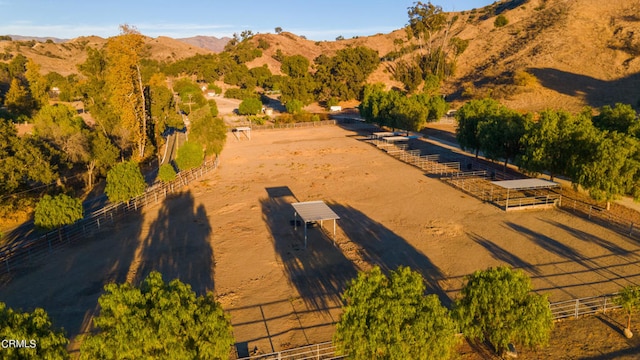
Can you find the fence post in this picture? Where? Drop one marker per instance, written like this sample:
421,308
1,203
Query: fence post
590,207
318,351
631,229
577,308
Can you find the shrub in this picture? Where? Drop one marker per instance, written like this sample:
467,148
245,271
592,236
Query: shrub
190,155
124,181
294,106
250,106
166,173
53,212
500,21
523,78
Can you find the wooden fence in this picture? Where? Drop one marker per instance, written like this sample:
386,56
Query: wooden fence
26,253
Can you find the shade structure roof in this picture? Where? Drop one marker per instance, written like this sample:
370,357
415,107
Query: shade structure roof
314,211
523,184
396,138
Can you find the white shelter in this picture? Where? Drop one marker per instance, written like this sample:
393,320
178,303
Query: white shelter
313,211
242,130
527,193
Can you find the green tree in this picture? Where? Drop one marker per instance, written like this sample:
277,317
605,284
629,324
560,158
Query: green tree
18,100
614,170
190,155
424,21
469,118
250,106
54,212
124,181
295,66
500,135
621,118
158,321
60,125
166,173
294,106
37,84
23,160
629,299
391,318
209,131
103,155
557,143
497,306
43,341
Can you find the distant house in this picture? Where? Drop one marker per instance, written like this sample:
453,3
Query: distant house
335,108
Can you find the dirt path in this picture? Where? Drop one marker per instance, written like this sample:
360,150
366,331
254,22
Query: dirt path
232,234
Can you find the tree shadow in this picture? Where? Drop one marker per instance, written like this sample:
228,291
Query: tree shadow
178,246
594,91
381,246
68,282
501,254
320,272
552,245
587,237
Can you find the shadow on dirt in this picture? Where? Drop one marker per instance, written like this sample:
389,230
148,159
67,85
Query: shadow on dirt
503,255
177,245
381,246
320,272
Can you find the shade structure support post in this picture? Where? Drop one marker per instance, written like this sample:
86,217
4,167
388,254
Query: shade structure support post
305,234
334,232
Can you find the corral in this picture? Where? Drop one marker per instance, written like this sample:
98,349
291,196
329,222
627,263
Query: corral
234,235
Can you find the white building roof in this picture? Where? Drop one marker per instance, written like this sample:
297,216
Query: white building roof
314,211
526,184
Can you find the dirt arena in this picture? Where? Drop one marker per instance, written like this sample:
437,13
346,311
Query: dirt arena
233,234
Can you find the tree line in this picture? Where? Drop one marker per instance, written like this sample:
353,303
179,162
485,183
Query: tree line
599,152
132,108
398,110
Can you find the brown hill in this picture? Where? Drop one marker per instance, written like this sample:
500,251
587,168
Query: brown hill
580,52
207,42
64,57
551,54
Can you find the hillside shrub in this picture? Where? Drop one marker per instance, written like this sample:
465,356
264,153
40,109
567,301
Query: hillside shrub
500,21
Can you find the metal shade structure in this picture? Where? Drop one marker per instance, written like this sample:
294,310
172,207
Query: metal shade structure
313,211
527,186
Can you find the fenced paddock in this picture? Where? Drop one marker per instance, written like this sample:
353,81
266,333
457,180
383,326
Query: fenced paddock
570,309
17,255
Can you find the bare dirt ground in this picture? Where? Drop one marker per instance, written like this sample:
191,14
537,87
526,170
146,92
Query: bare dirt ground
233,234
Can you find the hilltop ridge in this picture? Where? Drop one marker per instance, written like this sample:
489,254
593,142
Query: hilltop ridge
550,54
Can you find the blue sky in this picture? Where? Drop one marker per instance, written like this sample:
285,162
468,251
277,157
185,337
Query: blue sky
317,20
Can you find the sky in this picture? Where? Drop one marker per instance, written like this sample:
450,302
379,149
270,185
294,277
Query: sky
317,20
